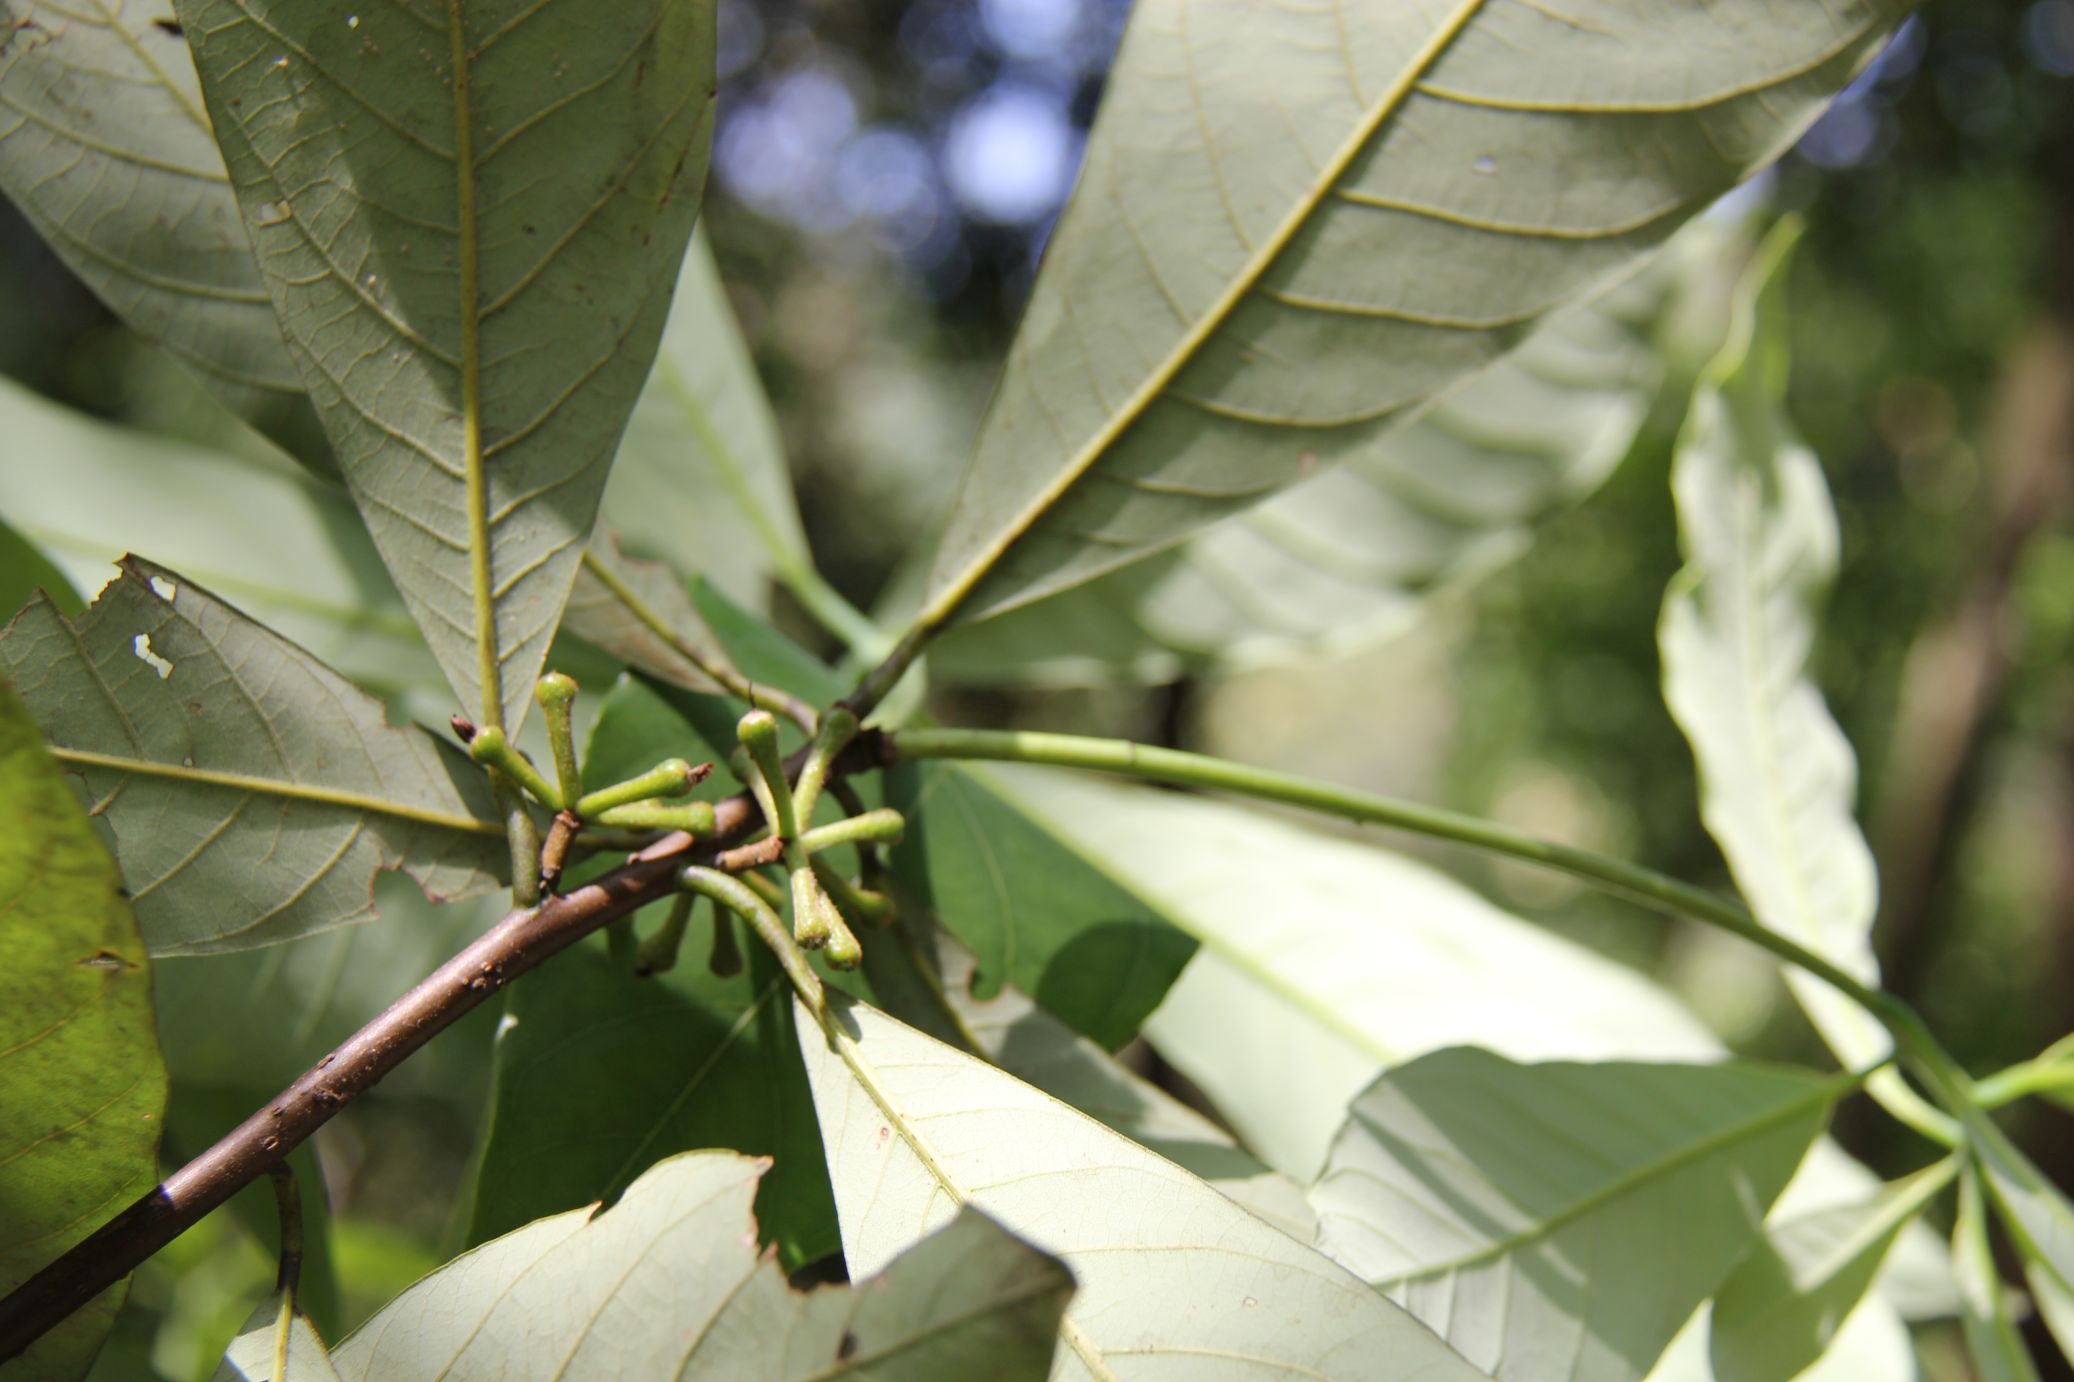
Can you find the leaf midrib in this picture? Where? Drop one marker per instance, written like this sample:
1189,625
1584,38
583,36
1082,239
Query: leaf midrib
946,603
489,667
1621,1185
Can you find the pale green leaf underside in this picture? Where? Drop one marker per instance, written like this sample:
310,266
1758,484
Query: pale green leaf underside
2040,1221
1996,1348
668,1283
82,1085
258,1355
1038,1049
1298,224
469,217
1174,1279
701,476
288,549
1324,961
1787,1304
105,147
253,792
1777,777
1347,559
640,612
1561,1221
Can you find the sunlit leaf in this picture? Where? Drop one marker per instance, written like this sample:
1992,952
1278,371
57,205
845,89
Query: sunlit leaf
105,148
276,1345
1348,558
469,223
1873,1341
1325,961
1786,1304
1777,777
1174,1279
1992,1341
668,1283
1298,225
2040,1221
291,551
253,793
82,1088
1561,1221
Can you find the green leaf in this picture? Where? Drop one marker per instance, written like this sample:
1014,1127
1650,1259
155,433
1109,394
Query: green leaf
82,1089
641,613
1296,227
24,571
1777,778
253,792
1523,1211
290,550
1348,559
277,1344
1785,1306
2040,1221
1872,1342
1325,961
1992,1340
666,1283
701,475
1029,1043
599,1074
469,225
105,148
1039,913
1174,1279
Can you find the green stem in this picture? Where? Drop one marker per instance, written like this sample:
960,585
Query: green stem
2040,1076
1946,1080
832,612
730,892
883,826
671,778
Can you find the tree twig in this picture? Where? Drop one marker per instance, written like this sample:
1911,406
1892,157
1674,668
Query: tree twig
518,943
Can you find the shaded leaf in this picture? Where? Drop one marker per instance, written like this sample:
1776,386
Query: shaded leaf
1038,913
1873,1341
2040,1221
666,1283
291,551
24,571
1297,226
1527,1213
82,1088
1325,961
1787,1303
1992,1340
641,613
1348,558
1777,778
105,148
1174,1279
600,1074
253,793
469,226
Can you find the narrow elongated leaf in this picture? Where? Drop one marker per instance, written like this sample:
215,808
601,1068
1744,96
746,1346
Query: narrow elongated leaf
252,791
1992,1340
1174,1279
2040,1220
1296,226
1347,559
105,148
667,1284
1325,961
1561,1221
1787,1303
641,613
291,551
701,476
469,221
82,1088
1777,777
1039,913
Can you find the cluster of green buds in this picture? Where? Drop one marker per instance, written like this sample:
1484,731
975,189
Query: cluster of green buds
819,894
642,802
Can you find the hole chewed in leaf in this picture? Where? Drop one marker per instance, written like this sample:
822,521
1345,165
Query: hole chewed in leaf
141,645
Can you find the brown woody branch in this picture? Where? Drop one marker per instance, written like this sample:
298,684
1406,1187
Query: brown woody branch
522,940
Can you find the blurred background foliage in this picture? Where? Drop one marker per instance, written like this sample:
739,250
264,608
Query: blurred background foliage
883,180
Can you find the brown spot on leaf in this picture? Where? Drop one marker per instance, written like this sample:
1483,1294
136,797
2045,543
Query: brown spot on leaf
104,959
